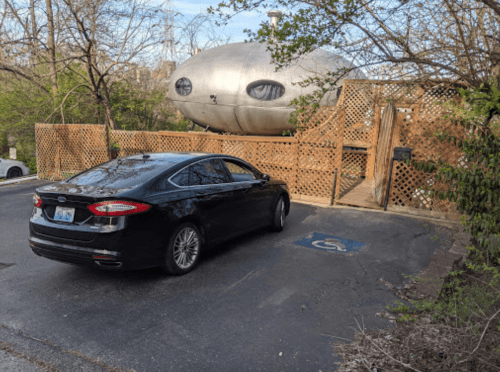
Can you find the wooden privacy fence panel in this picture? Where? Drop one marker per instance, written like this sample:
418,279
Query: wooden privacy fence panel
358,99
65,150
174,142
409,186
276,156
319,155
46,148
132,142
354,163
307,163
361,99
278,159
95,140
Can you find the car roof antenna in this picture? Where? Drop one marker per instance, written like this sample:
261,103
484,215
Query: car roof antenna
144,155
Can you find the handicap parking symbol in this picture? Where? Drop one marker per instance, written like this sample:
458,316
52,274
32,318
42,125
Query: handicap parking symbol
331,243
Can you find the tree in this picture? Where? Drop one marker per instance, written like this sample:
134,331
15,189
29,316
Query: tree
104,36
456,40
22,42
198,32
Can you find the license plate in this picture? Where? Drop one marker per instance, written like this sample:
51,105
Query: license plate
64,214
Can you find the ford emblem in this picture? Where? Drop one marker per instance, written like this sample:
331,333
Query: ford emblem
61,199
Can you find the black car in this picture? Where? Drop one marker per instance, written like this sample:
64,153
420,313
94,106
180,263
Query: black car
152,210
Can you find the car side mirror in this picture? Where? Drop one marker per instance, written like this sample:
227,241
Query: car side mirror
265,177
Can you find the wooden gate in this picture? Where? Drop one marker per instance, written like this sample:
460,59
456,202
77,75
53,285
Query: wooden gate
384,149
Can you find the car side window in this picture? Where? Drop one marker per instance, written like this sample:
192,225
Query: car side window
208,172
181,178
239,171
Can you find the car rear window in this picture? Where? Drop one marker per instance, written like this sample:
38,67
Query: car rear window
122,173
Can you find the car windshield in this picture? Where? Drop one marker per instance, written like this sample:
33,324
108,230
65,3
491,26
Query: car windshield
122,173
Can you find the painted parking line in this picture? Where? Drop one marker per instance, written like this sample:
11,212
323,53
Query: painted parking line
330,243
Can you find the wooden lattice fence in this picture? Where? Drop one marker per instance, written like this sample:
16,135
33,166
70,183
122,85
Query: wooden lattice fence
409,187
65,150
319,155
347,147
307,163
365,100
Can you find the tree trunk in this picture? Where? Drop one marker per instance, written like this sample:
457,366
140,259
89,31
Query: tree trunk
34,32
52,46
109,113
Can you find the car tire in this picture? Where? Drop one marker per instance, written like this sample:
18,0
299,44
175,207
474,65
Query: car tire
279,215
183,249
14,172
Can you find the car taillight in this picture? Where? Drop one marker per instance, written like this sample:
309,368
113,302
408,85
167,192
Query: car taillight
37,202
117,208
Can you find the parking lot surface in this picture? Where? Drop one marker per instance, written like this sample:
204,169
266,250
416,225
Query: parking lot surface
265,302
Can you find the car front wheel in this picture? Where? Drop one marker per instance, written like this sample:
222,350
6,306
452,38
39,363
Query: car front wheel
183,249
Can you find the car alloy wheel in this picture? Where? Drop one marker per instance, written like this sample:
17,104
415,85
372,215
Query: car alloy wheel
279,215
186,247
283,213
183,249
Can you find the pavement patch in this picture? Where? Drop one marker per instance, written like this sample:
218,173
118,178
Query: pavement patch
331,243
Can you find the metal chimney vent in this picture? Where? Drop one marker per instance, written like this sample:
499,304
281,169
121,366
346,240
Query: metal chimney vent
274,15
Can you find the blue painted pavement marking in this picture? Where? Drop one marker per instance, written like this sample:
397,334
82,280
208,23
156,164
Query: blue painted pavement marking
331,243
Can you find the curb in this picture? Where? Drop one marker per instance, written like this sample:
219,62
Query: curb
438,221
433,277
442,262
19,179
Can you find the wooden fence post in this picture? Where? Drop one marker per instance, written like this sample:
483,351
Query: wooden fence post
108,142
372,152
57,162
339,151
295,176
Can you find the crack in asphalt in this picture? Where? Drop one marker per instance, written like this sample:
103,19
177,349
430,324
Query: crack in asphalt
9,348
49,367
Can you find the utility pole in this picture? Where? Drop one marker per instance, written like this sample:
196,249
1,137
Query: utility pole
170,56
169,47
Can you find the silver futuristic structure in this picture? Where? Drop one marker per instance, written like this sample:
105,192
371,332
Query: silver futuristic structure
234,88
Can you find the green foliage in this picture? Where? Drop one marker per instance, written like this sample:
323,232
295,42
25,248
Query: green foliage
485,100
465,300
115,144
406,313
400,307
474,183
143,109
23,104
470,298
305,107
26,154
4,145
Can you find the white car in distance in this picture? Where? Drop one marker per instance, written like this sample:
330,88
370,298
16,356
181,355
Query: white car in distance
13,168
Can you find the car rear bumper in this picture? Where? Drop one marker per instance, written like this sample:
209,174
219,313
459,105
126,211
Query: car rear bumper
72,254
124,245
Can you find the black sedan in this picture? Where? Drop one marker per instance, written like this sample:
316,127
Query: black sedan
152,210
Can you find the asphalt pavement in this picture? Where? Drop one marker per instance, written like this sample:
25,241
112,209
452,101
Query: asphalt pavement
264,302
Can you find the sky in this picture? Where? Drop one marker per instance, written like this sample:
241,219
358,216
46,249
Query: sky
235,26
